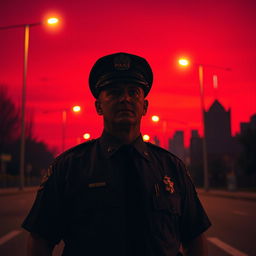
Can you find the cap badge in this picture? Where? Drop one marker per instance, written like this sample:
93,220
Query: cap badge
169,185
122,62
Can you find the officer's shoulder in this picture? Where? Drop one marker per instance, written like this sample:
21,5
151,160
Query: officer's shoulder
159,149
76,151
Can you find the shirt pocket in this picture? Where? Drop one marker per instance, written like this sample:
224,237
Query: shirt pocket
165,218
167,202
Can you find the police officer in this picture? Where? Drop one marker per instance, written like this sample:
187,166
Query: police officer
117,195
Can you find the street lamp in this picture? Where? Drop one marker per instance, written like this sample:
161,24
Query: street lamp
50,21
156,119
75,109
64,113
185,62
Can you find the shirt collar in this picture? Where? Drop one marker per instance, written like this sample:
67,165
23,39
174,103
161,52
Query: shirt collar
110,145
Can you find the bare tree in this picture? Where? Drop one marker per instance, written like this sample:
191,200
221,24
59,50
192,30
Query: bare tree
9,119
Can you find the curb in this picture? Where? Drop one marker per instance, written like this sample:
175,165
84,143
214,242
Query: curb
232,195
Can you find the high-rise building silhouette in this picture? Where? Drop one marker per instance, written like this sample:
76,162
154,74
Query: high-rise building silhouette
218,129
222,148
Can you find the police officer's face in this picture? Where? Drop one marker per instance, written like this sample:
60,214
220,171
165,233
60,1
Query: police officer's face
122,104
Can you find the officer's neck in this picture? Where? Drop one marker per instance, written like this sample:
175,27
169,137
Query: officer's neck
125,135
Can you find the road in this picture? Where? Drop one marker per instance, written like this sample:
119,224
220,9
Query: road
233,231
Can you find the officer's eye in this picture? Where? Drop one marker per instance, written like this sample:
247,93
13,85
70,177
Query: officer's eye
134,92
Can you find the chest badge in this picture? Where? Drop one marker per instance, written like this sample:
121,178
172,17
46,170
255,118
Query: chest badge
169,185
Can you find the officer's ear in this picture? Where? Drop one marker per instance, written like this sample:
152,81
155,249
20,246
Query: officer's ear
98,107
145,107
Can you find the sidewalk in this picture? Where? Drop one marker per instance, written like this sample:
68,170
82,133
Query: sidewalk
228,194
16,191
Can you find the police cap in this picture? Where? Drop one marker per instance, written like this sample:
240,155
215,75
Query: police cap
118,68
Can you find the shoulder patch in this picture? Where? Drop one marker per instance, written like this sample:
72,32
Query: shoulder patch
46,176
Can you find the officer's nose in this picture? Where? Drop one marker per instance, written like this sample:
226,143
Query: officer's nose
125,96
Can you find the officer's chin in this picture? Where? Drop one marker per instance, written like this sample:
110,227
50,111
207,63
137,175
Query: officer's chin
126,121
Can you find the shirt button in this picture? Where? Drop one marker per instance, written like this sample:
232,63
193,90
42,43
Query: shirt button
145,153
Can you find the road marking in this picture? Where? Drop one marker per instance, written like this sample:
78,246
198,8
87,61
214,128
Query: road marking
241,213
226,247
9,236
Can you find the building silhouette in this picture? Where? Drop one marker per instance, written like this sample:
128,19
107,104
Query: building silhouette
176,145
222,148
247,160
251,125
196,153
218,143
218,129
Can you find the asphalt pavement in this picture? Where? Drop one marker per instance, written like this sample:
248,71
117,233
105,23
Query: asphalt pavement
233,228
211,192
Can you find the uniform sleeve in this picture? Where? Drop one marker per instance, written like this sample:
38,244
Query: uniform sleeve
194,218
45,215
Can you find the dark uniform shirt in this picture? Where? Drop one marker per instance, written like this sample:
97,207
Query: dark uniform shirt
103,197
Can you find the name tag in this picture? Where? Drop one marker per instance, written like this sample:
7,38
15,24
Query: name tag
97,184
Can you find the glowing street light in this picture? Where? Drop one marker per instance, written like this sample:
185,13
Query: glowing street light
52,21
146,137
184,62
76,109
155,119
87,136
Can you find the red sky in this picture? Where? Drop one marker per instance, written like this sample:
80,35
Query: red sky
220,33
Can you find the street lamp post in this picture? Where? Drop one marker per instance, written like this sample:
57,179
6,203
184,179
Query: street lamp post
64,124
185,62
64,113
26,27
23,106
156,119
